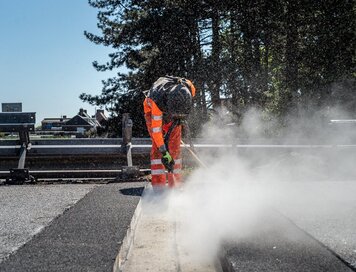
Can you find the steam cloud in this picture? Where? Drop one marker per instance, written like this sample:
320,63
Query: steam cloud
227,199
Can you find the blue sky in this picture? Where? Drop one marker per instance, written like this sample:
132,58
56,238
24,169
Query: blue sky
45,59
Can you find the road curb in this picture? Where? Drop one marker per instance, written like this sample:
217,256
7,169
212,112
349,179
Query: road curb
129,238
151,234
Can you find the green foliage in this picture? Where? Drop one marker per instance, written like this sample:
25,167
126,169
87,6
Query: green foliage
275,55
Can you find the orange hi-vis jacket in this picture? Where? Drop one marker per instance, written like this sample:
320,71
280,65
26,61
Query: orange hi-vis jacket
154,120
154,115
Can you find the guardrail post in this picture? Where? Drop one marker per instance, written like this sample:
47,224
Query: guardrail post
21,174
126,128
127,124
23,123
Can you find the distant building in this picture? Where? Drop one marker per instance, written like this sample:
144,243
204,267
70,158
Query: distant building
11,107
79,123
101,117
54,123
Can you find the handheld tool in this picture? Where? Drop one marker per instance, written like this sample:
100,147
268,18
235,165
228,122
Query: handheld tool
190,147
195,156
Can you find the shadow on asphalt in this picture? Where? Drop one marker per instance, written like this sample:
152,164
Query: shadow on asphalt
136,191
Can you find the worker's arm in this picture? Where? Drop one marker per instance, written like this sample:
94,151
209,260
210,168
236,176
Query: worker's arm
154,115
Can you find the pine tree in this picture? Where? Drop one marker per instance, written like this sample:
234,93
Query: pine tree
277,55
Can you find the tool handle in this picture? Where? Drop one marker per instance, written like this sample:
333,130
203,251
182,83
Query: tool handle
195,155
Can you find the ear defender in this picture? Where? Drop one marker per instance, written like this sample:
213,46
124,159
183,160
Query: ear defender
191,87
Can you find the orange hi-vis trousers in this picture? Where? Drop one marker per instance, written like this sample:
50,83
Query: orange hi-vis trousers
156,128
157,168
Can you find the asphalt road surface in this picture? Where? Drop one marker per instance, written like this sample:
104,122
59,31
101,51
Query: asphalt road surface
85,237
311,227
307,227
26,210
327,211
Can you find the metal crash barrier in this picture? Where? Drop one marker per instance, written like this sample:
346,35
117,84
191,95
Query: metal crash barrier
21,123
128,157
67,157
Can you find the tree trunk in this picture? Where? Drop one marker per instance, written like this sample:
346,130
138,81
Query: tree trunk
215,77
198,70
291,70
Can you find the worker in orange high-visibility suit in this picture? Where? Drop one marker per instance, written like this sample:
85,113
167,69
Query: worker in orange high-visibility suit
167,103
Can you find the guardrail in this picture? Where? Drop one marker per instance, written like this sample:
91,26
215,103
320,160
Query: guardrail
113,147
70,151
142,146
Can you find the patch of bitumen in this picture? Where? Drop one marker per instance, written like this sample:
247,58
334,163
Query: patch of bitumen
330,216
274,243
87,237
27,209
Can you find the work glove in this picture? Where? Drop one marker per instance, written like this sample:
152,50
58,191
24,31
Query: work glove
167,161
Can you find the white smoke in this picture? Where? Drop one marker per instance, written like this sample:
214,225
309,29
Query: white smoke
215,204
227,199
